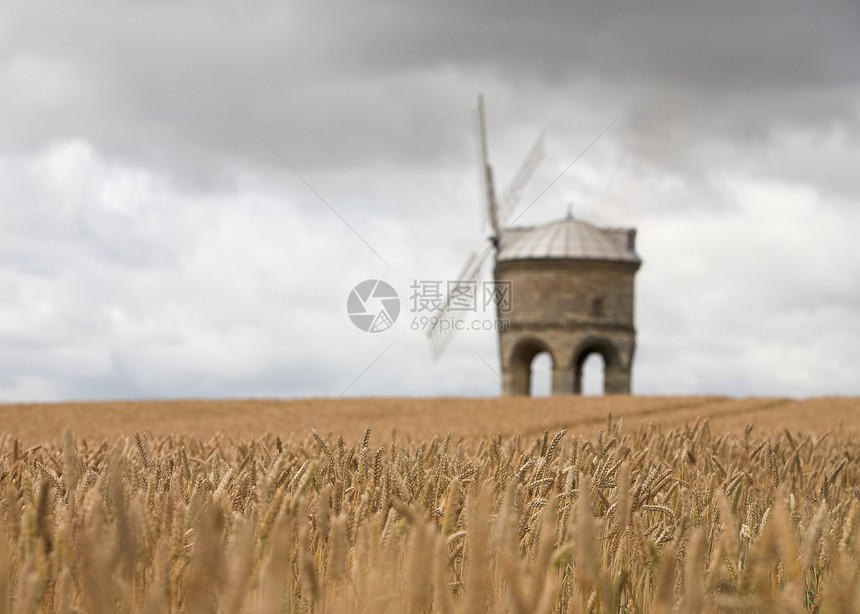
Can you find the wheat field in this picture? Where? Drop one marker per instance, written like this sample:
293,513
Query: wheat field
417,419
641,516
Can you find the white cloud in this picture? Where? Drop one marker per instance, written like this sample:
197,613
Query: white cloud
152,245
758,300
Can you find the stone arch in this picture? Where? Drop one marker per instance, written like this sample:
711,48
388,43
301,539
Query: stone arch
518,373
616,376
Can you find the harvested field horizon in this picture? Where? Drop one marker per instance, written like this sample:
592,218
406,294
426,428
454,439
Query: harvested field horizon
414,419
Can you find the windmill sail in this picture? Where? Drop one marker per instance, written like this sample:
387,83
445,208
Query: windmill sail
485,171
514,190
444,326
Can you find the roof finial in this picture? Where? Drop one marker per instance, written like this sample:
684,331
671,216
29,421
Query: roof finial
570,211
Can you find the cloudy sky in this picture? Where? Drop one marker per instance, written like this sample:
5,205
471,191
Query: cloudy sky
190,190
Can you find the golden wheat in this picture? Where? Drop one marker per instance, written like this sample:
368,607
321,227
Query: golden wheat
642,521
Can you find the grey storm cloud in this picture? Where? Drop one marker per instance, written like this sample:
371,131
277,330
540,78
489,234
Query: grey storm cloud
153,242
167,83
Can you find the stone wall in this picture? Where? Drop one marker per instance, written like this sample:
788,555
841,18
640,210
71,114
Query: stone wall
569,308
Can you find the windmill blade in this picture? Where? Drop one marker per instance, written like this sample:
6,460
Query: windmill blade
485,172
514,190
443,326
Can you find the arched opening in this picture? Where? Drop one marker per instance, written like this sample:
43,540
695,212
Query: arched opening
540,376
530,369
593,375
595,360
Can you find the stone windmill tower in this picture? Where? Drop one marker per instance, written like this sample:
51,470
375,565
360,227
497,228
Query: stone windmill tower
570,289
572,286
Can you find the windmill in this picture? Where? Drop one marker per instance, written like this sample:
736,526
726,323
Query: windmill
497,215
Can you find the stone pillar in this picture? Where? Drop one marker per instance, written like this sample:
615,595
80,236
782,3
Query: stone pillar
616,380
516,379
577,381
562,380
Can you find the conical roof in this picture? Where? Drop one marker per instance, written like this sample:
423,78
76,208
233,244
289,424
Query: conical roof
568,239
